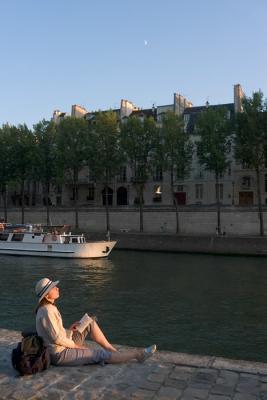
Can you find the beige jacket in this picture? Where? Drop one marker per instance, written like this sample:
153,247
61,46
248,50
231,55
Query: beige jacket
50,327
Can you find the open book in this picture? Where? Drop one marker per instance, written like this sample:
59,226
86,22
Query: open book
84,322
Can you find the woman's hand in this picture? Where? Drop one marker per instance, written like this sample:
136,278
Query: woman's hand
73,327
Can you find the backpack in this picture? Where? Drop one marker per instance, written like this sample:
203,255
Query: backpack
30,356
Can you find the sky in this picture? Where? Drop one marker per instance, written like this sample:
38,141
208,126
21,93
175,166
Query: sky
55,53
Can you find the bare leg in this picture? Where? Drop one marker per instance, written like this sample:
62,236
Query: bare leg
126,356
98,336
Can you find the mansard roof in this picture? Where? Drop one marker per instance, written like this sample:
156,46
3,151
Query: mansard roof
193,112
149,112
196,110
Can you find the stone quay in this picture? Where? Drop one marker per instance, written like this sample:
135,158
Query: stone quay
165,376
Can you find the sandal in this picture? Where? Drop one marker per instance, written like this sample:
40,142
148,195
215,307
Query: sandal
148,352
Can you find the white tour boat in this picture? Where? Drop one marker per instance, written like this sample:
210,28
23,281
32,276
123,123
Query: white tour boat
34,240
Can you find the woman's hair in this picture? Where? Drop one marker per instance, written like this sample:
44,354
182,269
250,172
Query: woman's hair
42,303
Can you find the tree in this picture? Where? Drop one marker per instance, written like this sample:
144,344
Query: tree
6,163
251,140
23,156
72,144
139,144
214,128
45,158
175,152
105,156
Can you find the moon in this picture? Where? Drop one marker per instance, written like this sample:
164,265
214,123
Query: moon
145,42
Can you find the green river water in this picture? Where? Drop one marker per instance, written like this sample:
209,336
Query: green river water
199,304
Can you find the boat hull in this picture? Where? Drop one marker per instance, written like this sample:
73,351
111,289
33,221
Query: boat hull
61,250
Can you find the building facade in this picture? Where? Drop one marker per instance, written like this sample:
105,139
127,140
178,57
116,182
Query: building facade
236,187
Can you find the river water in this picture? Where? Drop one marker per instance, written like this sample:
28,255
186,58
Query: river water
199,304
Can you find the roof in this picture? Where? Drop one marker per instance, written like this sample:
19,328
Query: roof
149,112
193,112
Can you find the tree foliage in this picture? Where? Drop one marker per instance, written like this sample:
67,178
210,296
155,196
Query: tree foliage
105,156
175,151
251,132
251,140
7,168
72,145
23,156
139,145
214,127
45,157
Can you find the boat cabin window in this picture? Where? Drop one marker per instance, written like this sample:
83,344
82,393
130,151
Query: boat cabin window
74,240
4,236
17,237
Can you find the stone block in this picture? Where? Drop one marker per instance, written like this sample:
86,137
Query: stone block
195,393
222,390
178,384
143,394
168,393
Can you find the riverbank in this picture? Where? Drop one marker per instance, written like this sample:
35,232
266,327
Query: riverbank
206,244
165,376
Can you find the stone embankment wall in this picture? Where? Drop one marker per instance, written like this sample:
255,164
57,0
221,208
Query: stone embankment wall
197,229
234,220
206,244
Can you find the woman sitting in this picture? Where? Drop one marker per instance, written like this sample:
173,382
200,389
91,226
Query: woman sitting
66,346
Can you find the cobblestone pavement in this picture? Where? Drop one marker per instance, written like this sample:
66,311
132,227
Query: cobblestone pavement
166,376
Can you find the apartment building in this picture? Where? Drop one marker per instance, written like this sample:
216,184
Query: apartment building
236,187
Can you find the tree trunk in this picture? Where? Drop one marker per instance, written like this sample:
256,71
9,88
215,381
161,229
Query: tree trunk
107,212
4,196
75,199
175,204
22,201
47,203
141,207
259,203
218,229
176,214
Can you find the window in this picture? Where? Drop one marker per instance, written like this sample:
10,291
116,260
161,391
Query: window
245,165
140,173
186,118
180,173
3,236
157,194
199,191
158,174
17,237
59,189
122,174
219,191
246,182
91,192
199,174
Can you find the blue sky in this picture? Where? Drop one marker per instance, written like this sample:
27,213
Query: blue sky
94,53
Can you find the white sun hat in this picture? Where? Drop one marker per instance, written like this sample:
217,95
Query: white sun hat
43,286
